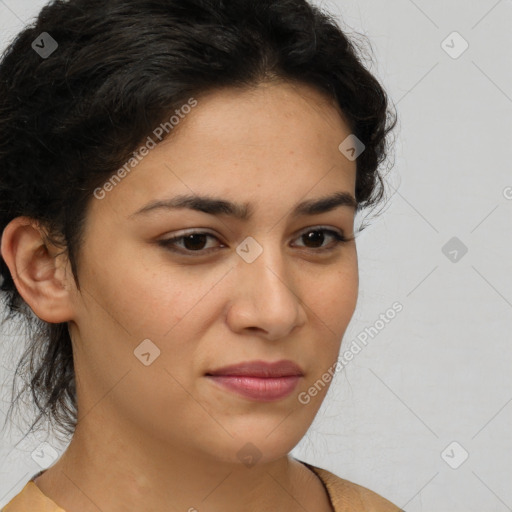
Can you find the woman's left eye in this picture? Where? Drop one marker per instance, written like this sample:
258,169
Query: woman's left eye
196,241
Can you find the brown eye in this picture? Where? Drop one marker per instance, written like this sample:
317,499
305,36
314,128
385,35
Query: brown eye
195,241
316,237
189,243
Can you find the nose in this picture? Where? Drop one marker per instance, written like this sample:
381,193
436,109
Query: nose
266,297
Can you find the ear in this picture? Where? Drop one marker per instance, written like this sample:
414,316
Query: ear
41,272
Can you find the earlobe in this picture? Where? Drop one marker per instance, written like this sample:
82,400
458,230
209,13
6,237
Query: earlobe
38,270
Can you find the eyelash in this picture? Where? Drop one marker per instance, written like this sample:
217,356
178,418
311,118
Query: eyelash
170,242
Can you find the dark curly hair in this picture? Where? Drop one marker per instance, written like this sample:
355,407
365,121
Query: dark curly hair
69,119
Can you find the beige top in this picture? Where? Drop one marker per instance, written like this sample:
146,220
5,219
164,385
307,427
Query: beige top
344,496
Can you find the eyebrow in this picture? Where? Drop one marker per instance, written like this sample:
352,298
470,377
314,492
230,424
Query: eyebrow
244,211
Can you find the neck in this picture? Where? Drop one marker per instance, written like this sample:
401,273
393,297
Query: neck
120,471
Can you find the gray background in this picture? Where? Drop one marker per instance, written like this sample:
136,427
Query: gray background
440,372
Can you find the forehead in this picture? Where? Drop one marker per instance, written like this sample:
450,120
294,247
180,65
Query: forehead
276,111
268,143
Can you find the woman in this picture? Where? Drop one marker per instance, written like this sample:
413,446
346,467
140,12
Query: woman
185,373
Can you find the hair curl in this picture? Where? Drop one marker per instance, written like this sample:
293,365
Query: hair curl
67,122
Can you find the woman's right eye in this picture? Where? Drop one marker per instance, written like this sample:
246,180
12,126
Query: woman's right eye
195,241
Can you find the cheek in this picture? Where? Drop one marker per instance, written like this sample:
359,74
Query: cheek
332,303
135,298
334,298
170,306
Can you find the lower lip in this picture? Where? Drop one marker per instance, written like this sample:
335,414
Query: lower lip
256,388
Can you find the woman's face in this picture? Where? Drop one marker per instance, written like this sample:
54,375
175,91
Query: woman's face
219,300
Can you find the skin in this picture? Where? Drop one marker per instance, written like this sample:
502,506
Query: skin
163,437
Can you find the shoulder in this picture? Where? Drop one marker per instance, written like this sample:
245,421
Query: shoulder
31,499
347,496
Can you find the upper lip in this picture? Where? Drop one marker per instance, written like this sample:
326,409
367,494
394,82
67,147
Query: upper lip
262,369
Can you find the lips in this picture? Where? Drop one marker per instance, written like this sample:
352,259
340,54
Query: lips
258,380
260,369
